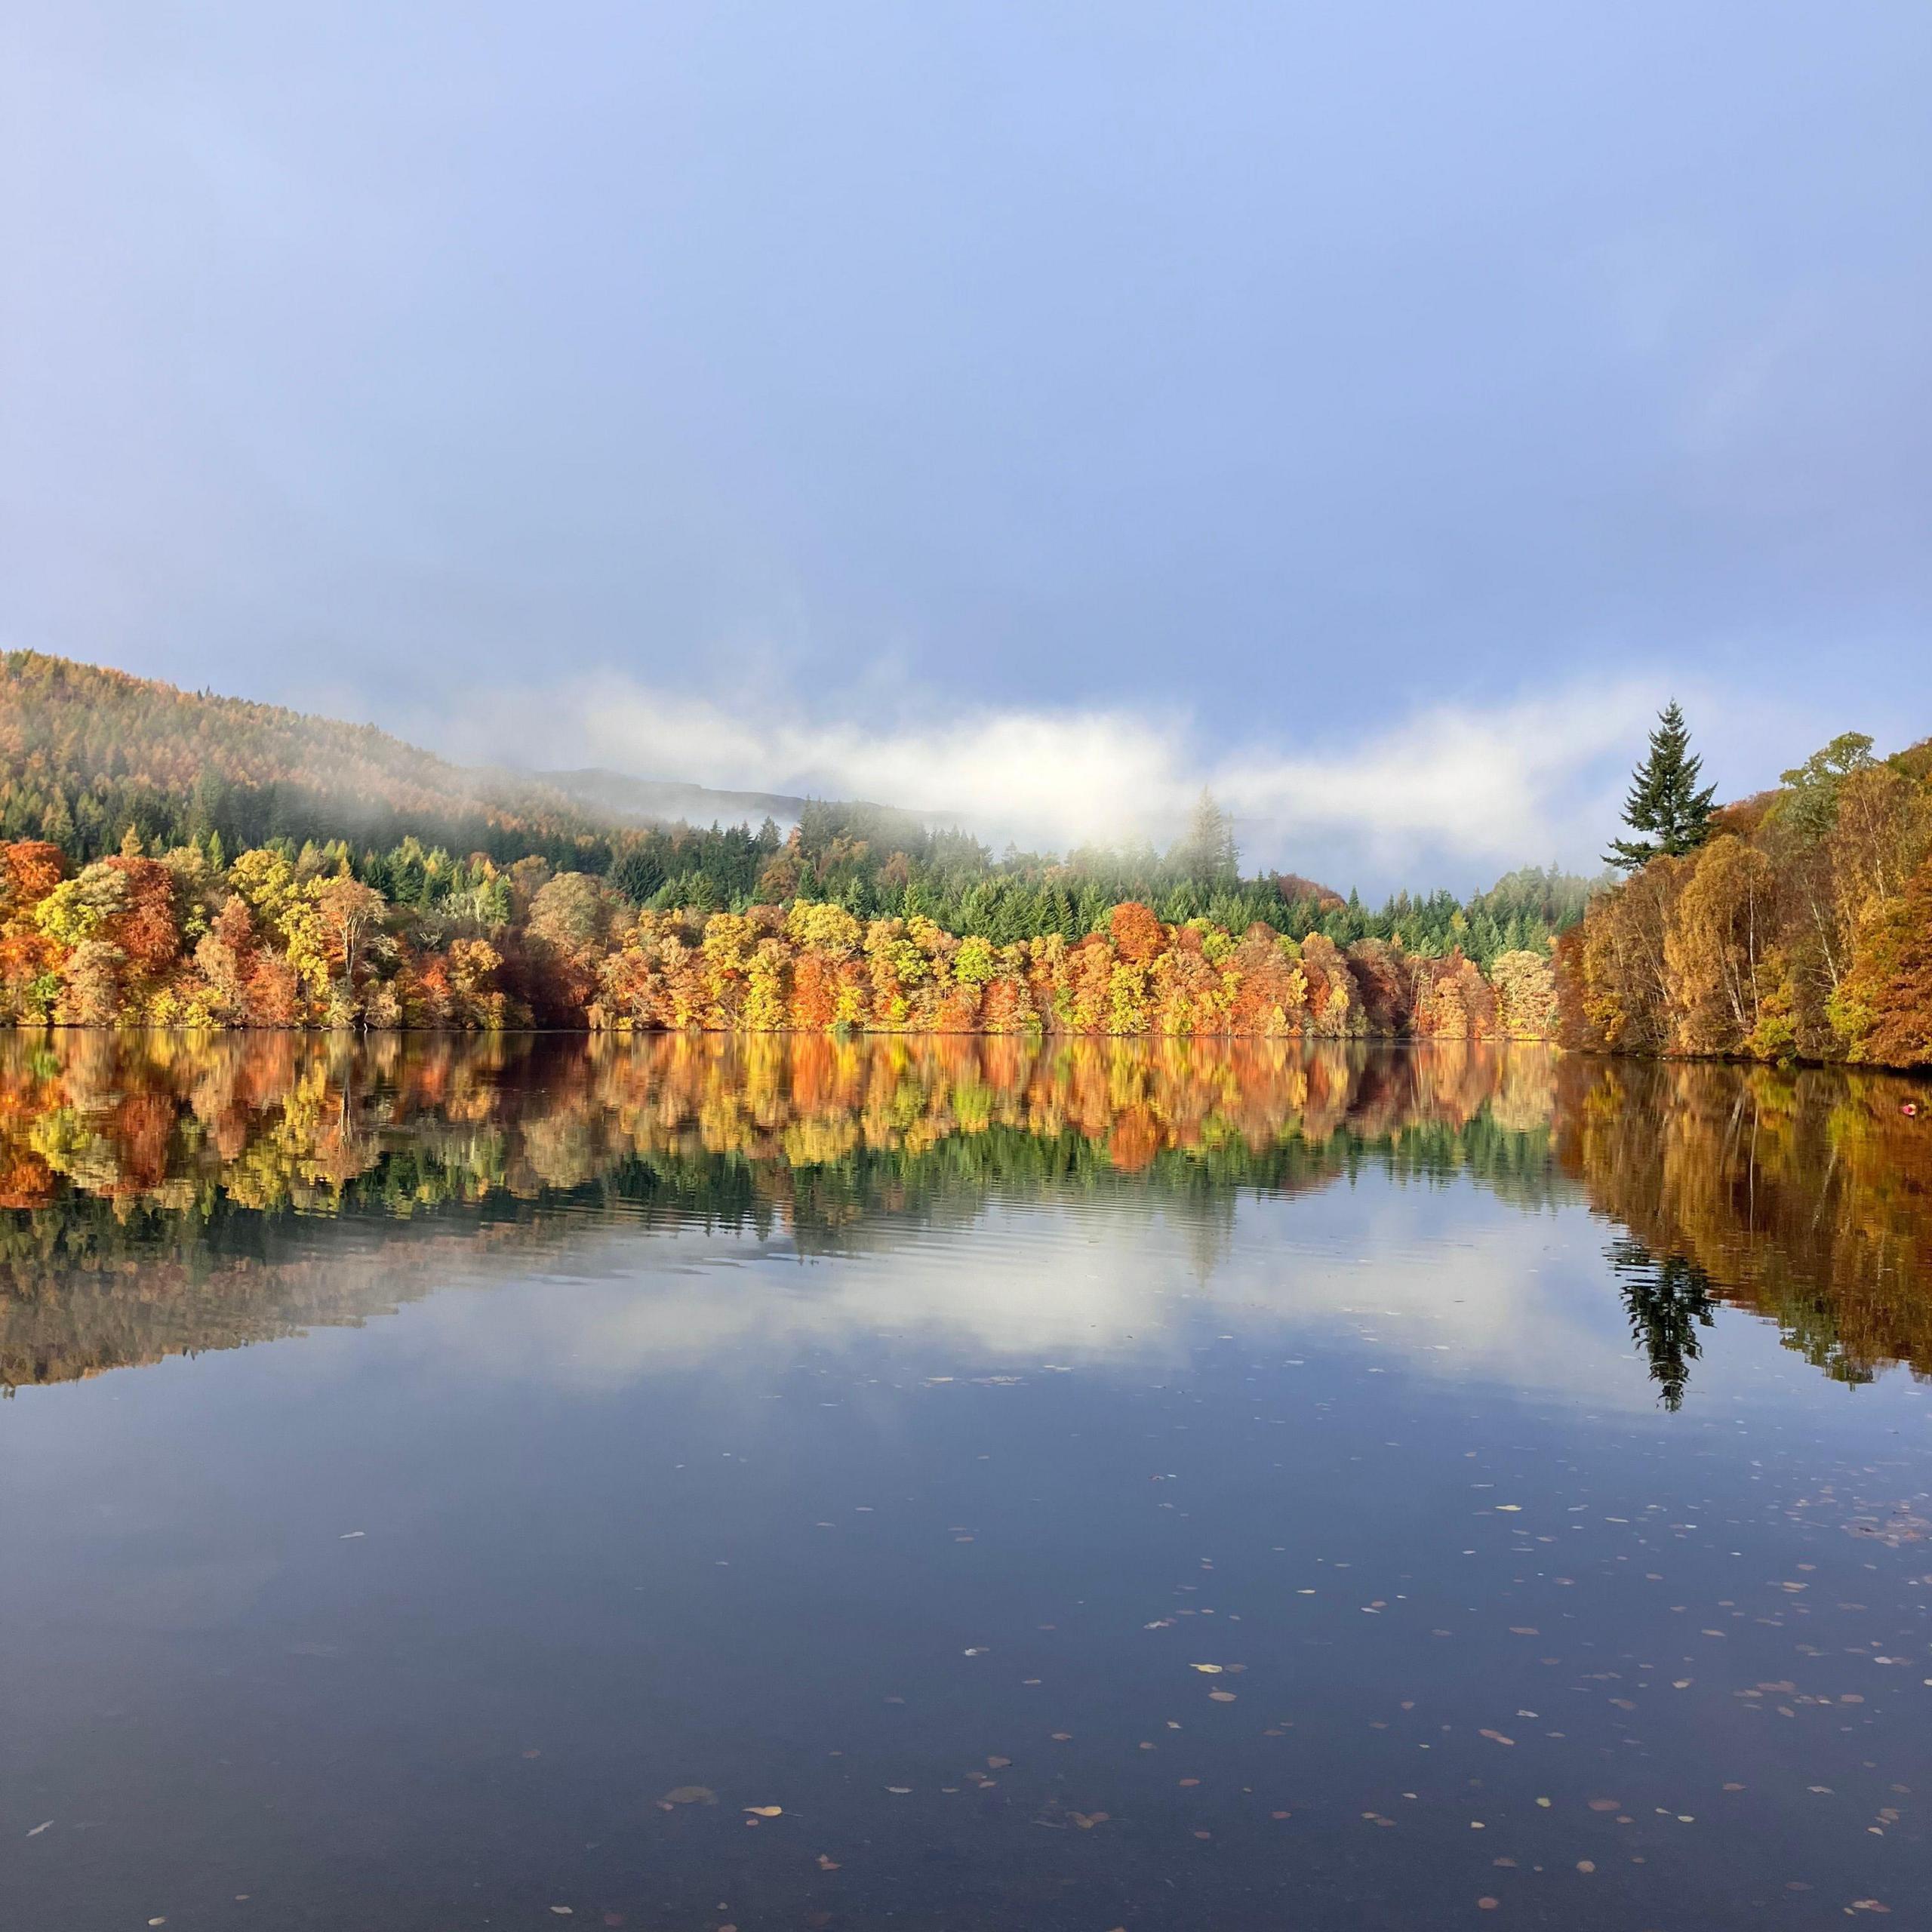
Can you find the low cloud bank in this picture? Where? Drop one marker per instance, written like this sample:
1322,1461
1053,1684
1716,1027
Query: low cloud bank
1447,792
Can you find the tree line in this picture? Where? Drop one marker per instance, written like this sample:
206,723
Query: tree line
279,937
89,756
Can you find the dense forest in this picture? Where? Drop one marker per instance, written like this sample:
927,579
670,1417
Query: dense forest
176,859
1795,925
286,939
88,754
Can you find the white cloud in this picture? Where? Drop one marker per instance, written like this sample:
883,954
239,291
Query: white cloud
1446,791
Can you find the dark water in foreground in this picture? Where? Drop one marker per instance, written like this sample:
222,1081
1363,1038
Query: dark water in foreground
685,1484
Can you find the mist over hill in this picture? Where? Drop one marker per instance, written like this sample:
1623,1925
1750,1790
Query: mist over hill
94,761
616,796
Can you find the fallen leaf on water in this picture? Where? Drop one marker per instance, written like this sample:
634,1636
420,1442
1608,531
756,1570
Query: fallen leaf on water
1495,1737
998,1764
825,1864
1062,1736
1221,1697
1207,1669
38,1829
1606,1804
1086,1821
766,1810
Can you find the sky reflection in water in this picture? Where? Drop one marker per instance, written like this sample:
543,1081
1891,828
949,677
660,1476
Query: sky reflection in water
887,1434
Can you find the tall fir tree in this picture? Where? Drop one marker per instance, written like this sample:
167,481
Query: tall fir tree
1664,800
1208,851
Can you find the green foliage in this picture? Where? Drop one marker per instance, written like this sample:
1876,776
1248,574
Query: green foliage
1810,805
1664,801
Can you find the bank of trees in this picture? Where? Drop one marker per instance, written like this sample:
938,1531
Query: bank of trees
88,754
281,937
1795,924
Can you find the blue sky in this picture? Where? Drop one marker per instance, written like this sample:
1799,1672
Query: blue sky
1376,411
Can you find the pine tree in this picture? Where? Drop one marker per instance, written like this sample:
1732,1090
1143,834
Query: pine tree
1208,852
1664,800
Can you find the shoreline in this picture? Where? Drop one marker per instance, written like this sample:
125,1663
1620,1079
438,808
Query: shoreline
1037,1036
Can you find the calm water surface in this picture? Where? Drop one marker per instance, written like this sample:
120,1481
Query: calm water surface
685,1484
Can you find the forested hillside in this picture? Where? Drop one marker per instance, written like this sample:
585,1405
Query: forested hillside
1795,924
86,752
89,756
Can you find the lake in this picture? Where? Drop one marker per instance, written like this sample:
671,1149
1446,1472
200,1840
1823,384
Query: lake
690,1483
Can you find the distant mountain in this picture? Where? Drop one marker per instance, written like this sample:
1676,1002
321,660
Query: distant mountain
87,751
612,795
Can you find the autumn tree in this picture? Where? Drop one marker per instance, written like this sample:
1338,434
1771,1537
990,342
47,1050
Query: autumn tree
1885,1007
351,915
1525,987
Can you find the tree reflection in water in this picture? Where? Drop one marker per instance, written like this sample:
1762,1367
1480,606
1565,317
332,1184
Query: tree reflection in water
1668,1300
170,1192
